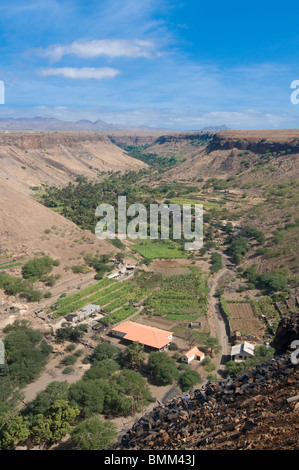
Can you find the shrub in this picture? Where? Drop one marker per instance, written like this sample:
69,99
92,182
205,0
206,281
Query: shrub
36,268
69,360
68,370
188,379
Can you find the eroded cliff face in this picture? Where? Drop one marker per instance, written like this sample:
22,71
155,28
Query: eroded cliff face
139,140
257,142
58,158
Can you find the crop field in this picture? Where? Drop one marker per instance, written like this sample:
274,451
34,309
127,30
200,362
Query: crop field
195,200
96,293
183,296
118,315
152,249
243,318
112,296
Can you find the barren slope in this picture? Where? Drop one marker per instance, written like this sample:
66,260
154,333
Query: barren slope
27,228
57,158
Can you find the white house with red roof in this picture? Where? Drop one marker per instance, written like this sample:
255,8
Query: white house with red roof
194,353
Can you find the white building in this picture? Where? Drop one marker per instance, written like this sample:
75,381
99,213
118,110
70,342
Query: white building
84,313
194,353
242,351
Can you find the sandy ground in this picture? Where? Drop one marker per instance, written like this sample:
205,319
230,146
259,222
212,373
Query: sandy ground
53,373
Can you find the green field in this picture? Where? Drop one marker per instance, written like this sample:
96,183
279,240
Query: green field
183,295
194,200
112,296
153,249
118,315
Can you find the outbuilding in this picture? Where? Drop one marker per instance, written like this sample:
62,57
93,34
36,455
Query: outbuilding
243,351
194,353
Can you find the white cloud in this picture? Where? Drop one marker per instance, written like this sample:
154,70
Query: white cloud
105,47
84,73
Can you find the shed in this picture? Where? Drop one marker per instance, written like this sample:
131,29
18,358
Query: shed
192,354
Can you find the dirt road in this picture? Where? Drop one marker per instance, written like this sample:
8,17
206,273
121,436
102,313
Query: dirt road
216,322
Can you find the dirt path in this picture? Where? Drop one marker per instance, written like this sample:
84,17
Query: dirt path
215,320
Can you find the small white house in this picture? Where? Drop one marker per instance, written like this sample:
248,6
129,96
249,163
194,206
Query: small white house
194,353
243,351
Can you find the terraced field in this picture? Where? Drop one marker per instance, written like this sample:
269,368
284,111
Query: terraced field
113,297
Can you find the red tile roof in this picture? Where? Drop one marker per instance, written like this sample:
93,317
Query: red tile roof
144,334
194,352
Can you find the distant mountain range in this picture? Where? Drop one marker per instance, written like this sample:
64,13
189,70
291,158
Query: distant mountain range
52,124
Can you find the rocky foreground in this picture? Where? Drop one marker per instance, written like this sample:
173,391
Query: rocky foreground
259,409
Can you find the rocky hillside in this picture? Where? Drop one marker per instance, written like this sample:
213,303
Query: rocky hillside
258,409
228,153
30,160
286,333
28,228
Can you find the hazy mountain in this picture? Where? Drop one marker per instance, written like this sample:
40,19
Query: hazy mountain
52,124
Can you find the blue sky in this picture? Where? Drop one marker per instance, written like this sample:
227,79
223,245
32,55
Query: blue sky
178,64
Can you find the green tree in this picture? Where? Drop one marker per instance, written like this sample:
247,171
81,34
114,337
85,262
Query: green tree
102,370
53,392
38,267
13,429
93,434
88,395
188,379
103,351
134,355
55,423
131,384
163,368
213,345
25,354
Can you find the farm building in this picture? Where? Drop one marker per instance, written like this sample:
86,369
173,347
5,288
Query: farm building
152,338
242,351
195,324
84,313
113,275
194,353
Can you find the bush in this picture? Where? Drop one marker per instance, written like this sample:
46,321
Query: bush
188,379
216,262
69,360
36,268
68,370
